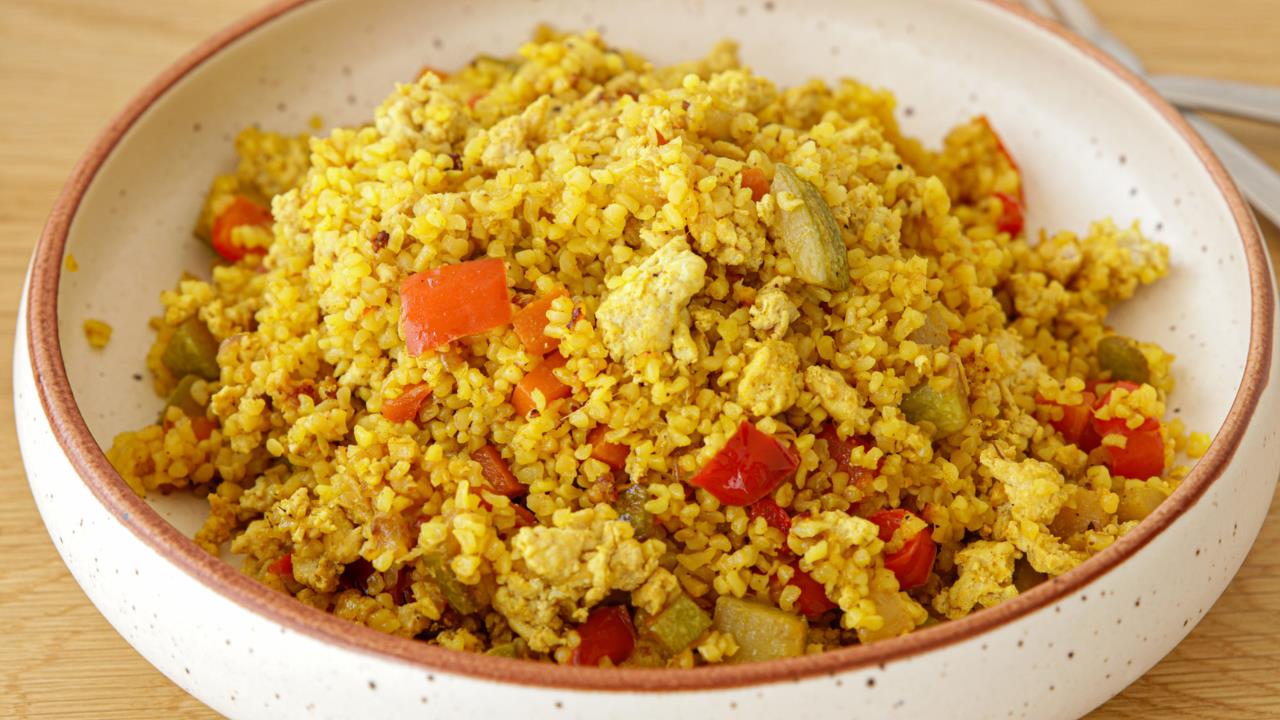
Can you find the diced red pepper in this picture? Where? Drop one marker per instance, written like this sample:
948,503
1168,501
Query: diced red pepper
203,427
282,567
497,476
540,378
241,211
607,633
913,563
888,521
813,600
750,466
453,301
1004,150
1120,425
754,180
662,139
531,322
773,514
1075,424
841,451
1142,456
1011,219
406,405
471,101
524,516
610,453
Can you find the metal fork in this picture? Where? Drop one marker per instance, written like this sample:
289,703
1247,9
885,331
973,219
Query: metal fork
1257,180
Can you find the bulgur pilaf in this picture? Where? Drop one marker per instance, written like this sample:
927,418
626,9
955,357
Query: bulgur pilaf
568,357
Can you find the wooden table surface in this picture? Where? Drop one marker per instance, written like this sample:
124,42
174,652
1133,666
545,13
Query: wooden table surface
66,66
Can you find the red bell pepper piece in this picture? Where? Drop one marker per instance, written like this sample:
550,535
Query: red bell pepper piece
813,600
610,453
1011,219
754,180
241,211
531,322
540,378
607,633
282,567
1119,425
841,451
913,563
497,476
1142,456
1076,422
406,405
445,303
750,466
888,521
773,514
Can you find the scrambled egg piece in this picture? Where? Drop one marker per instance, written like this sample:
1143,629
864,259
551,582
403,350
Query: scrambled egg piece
504,142
1037,493
1035,488
768,384
653,595
645,307
773,312
985,578
558,573
838,398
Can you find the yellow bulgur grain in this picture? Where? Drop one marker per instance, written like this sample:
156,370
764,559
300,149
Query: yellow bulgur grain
635,192
97,332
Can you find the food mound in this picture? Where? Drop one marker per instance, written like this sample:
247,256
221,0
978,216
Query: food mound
567,357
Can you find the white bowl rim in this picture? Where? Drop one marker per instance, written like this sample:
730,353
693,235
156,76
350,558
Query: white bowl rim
91,464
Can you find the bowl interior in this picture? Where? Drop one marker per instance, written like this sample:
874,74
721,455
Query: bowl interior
1089,145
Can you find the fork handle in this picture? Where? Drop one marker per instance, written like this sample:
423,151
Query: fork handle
1256,102
1259,182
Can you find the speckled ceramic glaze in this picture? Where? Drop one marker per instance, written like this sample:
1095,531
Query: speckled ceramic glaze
1092,141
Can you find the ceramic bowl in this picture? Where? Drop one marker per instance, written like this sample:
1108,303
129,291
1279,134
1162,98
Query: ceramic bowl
1093,140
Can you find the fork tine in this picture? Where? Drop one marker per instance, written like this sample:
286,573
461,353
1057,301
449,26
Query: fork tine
1077,16
1041,8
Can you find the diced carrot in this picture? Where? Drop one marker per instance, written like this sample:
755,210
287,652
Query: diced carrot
610,453
531,322
471,101
540,378
453,301
754,180
406,405
498,477
662,139
241,211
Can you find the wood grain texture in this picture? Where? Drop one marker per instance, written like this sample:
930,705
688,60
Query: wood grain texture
68,65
